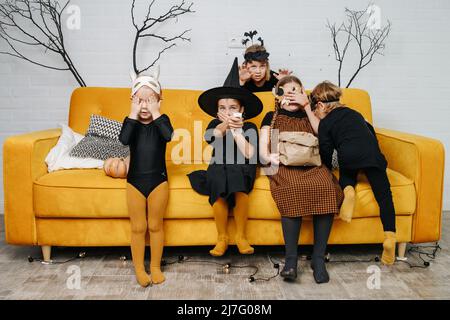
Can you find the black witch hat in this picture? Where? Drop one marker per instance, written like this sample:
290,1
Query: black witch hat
233,90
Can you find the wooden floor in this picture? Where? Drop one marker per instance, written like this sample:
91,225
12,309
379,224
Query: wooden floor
103,275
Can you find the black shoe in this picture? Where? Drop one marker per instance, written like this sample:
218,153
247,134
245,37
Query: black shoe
289,274
320,272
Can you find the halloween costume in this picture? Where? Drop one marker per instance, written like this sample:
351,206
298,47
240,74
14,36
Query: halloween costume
347,131
230,176
268,84
300,191
147,186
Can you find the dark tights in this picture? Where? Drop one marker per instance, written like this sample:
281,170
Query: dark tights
381,189
291,232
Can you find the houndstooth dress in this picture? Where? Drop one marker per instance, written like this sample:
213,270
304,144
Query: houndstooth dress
297,190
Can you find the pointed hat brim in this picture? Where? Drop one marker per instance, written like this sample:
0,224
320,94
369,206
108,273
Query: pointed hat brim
252,104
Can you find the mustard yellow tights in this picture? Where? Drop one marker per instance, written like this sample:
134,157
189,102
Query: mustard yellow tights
220,208
147,214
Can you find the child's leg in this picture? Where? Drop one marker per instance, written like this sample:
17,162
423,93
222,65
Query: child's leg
137,205
220,208
382,191
157,204
241,217
291,232
347,180
322,228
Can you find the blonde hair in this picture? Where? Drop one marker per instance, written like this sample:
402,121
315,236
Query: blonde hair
327,93
258,48
280,83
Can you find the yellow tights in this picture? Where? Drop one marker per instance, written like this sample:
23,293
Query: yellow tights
220,208
147,214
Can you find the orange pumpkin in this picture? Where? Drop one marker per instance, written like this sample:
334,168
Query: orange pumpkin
116,167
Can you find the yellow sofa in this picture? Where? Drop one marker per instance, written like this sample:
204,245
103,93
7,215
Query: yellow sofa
87,208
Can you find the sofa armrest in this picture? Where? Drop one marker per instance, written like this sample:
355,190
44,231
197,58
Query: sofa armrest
23,163
422,160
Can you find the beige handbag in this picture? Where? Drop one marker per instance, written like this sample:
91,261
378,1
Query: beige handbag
299,148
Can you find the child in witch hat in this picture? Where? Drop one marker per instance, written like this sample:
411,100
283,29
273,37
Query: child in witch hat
232,170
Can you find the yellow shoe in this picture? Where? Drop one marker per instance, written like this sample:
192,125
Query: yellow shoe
388,256
221,247
348,205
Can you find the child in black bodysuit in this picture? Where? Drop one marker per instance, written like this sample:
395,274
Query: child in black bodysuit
147,132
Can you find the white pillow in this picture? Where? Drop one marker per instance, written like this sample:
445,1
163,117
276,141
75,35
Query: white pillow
58,158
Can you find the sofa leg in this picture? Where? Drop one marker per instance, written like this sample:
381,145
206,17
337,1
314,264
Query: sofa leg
46,253
401,250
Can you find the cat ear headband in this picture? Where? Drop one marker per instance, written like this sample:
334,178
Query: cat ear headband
151,81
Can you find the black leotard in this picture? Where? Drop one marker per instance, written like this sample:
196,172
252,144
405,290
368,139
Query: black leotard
147,151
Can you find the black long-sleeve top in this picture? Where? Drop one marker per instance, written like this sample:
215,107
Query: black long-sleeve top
267,86
147,144
250,134
347,131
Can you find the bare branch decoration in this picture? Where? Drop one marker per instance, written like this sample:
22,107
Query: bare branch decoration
369,41
145,29
36,23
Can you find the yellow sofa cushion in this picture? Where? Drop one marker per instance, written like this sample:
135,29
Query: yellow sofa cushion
89,193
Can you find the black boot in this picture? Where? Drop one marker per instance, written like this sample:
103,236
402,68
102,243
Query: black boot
291,233
322,229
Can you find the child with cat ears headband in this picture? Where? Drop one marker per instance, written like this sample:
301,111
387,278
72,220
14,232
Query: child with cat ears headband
147,132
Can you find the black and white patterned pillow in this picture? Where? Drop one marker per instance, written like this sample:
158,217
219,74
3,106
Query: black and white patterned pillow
101,140
103,127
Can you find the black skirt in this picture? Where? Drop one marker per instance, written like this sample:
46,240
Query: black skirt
223,180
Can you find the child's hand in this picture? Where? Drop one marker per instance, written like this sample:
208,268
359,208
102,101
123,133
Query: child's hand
282,73
300,98
223,117
135,108
235,122
154,107
274,158
244,74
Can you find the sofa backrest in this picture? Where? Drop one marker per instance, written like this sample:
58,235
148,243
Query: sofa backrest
181,107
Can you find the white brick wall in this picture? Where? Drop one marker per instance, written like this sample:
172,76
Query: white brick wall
409,86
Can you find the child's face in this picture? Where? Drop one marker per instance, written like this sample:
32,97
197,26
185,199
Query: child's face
146,97
291,88
229,106
257,70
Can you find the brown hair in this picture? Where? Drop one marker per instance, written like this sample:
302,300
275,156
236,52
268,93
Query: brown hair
258,48
327,93
279,84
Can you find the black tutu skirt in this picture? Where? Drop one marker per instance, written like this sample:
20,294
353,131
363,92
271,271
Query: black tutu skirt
223,180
